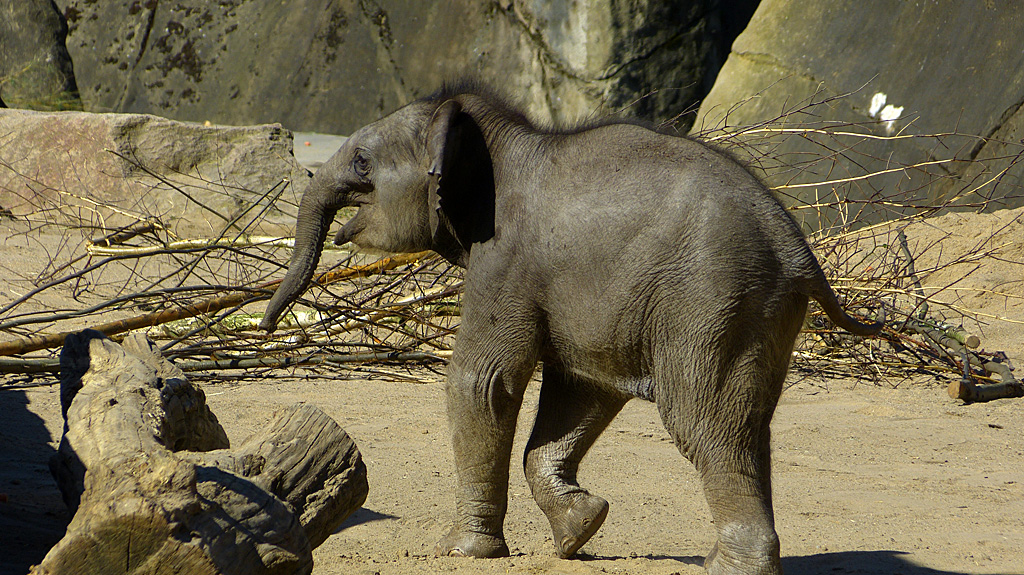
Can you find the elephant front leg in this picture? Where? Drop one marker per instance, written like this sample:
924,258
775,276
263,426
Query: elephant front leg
483,406
570,417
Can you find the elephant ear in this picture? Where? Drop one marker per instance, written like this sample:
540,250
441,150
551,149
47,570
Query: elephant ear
462,182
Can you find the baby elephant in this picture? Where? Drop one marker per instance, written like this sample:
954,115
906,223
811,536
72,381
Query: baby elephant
631,263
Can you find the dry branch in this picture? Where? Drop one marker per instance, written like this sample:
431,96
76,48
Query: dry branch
104,247
28,344
310,360
28,366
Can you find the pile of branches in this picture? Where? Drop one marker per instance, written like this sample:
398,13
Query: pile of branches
858,224
206,301
202,299
927,331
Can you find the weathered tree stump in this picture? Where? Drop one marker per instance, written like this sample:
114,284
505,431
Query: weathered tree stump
145,468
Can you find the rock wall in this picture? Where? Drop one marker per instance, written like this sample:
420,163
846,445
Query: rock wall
893,71
334,65
35,67
116,169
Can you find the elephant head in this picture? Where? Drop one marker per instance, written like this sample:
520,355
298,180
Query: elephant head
422,179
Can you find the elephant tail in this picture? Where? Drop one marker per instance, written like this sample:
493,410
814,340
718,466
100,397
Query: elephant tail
816,286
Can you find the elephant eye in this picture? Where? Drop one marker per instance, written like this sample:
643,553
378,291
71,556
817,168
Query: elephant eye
361,164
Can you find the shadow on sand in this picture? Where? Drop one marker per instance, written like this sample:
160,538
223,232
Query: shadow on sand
34,517
363,515
884,562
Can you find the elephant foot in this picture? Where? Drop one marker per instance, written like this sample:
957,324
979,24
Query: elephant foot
459,543
711,563
718,563
577,524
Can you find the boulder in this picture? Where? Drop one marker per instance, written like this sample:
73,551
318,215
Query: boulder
893,71
35,67
332,66
117,169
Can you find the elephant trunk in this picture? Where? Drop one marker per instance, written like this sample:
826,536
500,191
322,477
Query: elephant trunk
315,216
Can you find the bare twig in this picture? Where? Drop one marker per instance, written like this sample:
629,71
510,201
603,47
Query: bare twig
28,344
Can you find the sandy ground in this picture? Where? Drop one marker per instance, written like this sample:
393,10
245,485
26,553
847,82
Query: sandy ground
868,478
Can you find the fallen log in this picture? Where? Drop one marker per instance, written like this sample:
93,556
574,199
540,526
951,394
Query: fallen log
145,467
970,392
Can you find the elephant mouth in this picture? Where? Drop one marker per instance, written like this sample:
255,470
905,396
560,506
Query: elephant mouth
349,230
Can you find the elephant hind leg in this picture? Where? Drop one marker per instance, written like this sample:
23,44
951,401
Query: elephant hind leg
725,433
737,485
570,416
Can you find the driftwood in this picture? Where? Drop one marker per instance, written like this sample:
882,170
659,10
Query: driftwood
145,468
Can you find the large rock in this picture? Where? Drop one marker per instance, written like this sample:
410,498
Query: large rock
114,169
35,68
905,69
334,65
154,487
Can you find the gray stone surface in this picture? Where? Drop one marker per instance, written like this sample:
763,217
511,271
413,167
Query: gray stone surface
35,67
312,149
114,169
333,65
902,68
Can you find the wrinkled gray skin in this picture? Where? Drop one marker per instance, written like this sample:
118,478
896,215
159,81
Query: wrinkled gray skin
632,264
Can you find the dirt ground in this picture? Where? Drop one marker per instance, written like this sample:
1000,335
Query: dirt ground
884,478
